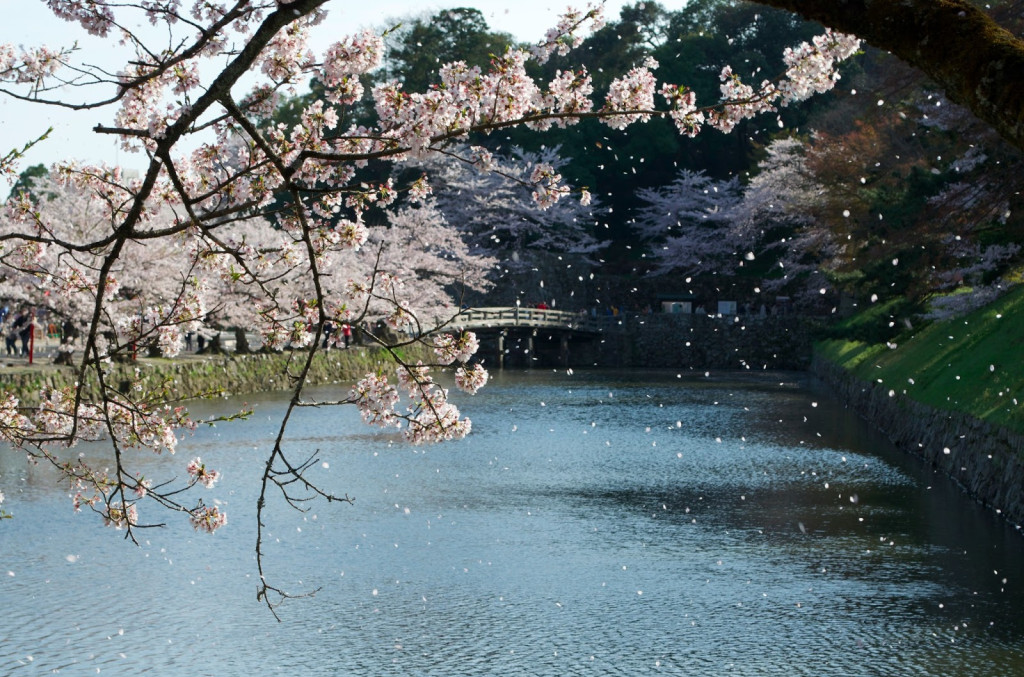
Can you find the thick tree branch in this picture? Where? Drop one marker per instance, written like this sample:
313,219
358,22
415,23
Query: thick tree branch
978,63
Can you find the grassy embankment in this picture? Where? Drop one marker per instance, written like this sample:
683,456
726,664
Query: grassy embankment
972,364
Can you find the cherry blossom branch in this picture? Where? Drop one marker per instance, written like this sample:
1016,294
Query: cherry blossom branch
272,214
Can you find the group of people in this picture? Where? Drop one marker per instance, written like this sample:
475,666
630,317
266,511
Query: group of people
331,328
17,327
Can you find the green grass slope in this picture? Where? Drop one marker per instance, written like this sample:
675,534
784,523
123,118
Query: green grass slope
973,364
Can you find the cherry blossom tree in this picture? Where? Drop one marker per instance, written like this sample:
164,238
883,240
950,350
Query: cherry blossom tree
511,203
778,217
55,271
541,243
187,102
687,224
424,249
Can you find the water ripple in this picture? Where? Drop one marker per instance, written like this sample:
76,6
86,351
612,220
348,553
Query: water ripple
628,526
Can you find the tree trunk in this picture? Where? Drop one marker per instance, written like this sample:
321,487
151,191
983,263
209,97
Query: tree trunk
976,61
214,347
241,342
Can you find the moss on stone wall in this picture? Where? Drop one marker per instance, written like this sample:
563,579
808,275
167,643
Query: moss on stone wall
202,376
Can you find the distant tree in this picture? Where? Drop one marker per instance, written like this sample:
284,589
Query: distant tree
779,220
419,46
914,204
430,258
144,303
27,179
687,225
492,200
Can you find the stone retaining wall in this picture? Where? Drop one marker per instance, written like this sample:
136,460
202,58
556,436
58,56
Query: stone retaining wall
987,461
196,376
703,342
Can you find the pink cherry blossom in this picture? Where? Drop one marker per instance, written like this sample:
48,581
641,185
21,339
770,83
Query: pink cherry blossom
200,474
376,400
450,348
208,519
471,379
119,516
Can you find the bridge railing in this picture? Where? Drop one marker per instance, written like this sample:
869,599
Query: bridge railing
498,317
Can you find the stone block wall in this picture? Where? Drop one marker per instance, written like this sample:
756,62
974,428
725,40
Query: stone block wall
700,342
197,376
987,461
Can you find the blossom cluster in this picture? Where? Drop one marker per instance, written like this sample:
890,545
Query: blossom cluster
471,379
376,400
200,474
120,516
94,17
743,101
345,61
29,66
547,185
683,109
208,518
811,67
432,417
435,419
632,92
566,35
13,424
450,348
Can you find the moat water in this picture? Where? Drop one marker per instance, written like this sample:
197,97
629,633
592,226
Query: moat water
593,524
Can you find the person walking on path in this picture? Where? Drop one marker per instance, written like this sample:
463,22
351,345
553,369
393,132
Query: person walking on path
328,330
11,336
20,327
26,332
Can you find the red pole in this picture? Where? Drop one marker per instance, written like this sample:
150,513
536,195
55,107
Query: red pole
31,337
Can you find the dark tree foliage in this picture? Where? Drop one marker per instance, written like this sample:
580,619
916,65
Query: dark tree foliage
924,184
25,179
418,47
700,39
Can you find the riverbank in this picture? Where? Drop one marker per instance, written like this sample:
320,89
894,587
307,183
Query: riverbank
984,459
970,364
951,393
190,376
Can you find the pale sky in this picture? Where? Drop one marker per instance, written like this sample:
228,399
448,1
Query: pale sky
34,25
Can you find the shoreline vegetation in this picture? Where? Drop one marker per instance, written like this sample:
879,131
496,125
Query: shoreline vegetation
970,364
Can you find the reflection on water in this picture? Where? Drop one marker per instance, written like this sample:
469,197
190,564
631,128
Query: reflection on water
593,524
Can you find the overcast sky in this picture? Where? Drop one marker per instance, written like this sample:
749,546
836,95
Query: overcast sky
33,25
